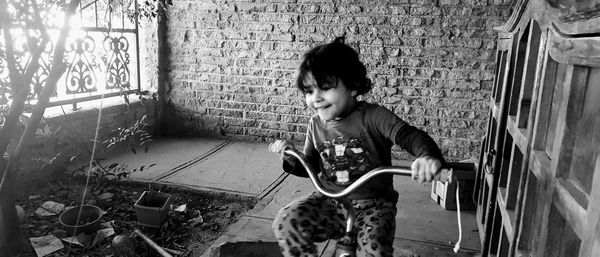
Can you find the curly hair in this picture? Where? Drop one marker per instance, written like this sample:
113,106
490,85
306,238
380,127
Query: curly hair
335,60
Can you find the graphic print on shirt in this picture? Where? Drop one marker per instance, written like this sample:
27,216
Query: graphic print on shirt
344,159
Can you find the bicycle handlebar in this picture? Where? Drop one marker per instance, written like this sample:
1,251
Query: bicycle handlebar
443,175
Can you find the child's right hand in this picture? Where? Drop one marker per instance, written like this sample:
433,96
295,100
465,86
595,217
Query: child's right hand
279,146
425,168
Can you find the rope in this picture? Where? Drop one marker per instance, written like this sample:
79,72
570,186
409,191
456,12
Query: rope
457,245
89,171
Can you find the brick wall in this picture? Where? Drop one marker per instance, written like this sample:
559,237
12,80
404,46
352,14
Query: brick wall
232,64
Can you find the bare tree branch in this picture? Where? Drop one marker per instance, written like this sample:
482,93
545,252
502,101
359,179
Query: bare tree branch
16,81
20,82
58,68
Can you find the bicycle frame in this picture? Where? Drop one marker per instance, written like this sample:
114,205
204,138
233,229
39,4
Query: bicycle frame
346,246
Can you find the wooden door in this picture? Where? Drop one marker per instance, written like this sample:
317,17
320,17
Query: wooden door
506,146
561,197
538,185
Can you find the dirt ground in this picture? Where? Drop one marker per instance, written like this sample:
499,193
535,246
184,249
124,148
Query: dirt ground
188,233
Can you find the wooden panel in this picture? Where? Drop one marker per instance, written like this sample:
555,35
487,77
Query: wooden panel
504,156
514,179
532,54
497,75
561,239
500,77
484,204
574,51
503,43
505,215
585,8
504,245
495,231
576,16
519,135
572,212
583,142
539,164
555,104
591,244
517,79
496,111
545,104
526,238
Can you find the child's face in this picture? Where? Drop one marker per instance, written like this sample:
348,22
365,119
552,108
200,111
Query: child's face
332,100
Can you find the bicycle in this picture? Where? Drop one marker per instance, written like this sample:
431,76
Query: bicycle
346,246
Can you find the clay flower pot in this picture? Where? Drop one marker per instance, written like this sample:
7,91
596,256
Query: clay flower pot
152,208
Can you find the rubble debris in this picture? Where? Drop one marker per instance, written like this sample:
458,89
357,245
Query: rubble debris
74,240
49,208
122,245
196,220
101,235
20,214
45,245
181,208
105,196
178,238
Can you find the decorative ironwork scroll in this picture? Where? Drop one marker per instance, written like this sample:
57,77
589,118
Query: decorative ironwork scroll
118,75
39,78
80,75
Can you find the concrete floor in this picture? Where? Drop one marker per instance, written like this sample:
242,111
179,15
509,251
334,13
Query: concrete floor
423,227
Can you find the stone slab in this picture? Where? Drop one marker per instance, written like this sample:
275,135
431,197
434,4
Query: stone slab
239,167
248,229
419,218
409,248
291,188
166,154
252,228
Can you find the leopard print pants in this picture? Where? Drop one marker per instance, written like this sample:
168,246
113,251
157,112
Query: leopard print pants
316,218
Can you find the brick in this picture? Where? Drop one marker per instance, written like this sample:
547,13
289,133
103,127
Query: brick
425,10
449,2
474,2
311,8
423,2
398,10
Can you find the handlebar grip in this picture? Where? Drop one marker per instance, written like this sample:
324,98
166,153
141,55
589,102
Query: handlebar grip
444,175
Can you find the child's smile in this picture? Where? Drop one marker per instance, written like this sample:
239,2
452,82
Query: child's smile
331,100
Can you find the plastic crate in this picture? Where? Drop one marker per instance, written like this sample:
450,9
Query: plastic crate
444,193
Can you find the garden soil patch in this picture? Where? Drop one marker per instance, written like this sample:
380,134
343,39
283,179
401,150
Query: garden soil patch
206,217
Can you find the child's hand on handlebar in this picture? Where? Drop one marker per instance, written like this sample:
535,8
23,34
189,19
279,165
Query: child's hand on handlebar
279,146
425,168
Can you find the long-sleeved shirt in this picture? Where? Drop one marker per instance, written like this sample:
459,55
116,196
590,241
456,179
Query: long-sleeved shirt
341,151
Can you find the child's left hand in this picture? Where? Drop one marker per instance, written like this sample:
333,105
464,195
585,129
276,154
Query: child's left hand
425,168
279,146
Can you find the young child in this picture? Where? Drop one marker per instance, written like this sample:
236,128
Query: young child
345,139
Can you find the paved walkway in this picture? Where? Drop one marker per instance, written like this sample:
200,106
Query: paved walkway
248,169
